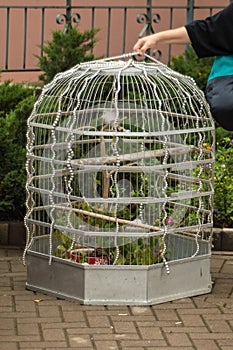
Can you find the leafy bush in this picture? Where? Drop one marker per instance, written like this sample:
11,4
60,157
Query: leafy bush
11,95
65,50
222,133
189,64
13,126
223,187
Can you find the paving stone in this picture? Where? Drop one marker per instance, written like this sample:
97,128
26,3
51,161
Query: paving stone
19,338
181,329
48,311
69,326
8,345
124,327
7,324
53,334
149,333
137,348
42,320
98,321
98,330
5,309
217,336
135,318
206,344
73,316
177,348
166,315
173,305
4,332
71,348
119,336
175,339
4,267
190,320
224,316
219,326
80,342
152,343
25,306
200,311
28,329
41,345
224,342
135,310
106,345
5,282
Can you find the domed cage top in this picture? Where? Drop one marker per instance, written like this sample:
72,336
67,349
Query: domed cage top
120,165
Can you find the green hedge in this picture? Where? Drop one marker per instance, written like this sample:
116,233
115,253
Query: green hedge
66,49
13,126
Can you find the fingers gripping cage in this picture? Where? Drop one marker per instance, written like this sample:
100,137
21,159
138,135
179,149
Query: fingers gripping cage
120,164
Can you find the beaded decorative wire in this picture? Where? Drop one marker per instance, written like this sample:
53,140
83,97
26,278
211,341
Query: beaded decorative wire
119,163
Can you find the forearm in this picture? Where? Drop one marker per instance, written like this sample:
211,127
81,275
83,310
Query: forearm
172,36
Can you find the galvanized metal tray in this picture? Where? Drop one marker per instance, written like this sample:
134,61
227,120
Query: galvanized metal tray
120,284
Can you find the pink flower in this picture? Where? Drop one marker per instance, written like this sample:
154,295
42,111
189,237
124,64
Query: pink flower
169,221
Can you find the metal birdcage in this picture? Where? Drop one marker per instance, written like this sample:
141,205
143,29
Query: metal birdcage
119,191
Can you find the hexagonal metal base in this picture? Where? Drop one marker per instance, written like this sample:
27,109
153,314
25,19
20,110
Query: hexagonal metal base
116,285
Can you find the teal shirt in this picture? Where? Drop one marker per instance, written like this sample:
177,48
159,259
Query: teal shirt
222,66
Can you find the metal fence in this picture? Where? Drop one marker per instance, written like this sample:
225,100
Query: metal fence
24,29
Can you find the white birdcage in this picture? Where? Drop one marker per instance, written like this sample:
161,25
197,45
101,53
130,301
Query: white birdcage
119,190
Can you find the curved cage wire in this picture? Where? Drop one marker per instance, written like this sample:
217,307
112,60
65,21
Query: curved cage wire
120,164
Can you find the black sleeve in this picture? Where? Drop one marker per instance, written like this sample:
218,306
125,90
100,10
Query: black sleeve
213,36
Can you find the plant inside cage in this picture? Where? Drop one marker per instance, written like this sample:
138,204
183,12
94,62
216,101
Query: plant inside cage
142,251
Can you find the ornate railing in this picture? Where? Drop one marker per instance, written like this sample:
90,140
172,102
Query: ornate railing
24,29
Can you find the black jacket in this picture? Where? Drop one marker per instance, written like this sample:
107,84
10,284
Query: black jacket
213,36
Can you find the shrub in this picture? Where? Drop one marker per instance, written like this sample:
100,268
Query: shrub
13,126
189,64
65,50
223,186
11,95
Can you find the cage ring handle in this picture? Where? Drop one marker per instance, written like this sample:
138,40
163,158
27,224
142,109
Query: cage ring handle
133,56
152,58
123,56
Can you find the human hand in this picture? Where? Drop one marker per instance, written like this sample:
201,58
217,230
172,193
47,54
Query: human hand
144,44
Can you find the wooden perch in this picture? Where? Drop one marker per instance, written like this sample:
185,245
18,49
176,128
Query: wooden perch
110,218
131,157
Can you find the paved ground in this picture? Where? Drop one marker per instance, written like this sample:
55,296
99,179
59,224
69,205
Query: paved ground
35,321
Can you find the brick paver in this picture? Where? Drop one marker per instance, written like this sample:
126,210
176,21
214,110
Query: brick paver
35,321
